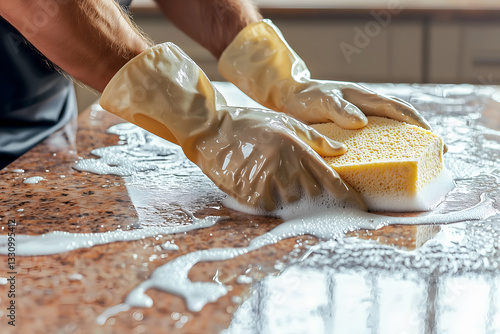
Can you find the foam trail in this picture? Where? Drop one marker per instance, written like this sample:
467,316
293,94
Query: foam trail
33,180
172,277
59,242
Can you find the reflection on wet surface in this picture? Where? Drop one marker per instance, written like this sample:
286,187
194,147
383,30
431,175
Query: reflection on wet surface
305,299
358,286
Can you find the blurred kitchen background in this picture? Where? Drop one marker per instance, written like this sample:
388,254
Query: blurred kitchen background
412,41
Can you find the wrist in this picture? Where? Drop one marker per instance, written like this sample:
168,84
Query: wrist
116,60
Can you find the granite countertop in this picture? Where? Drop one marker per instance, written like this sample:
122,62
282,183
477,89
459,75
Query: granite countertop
52,297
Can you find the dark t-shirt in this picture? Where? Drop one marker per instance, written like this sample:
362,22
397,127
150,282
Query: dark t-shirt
35,99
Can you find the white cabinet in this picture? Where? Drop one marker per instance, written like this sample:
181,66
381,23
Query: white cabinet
465,52
444,52
334,49
405,52
480,53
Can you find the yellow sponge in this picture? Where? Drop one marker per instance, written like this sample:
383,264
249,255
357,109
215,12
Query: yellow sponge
393,165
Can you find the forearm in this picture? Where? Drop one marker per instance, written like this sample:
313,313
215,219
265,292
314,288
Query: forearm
212,23
90,40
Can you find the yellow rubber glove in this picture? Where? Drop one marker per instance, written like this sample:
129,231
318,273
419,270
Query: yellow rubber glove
262,64
259,157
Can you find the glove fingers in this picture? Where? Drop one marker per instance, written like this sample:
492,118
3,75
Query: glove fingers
413,113
321,144
373,104
253,183
292,179
284,186
343,113
331,182
299,179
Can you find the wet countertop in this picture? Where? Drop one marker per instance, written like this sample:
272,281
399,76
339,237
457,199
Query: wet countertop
64,293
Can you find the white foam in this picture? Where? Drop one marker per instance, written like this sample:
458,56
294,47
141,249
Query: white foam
101,319
236,299
304,207
18,170
170,246
75,277
3,280
59,242
116,166
425,199
243,279
33,179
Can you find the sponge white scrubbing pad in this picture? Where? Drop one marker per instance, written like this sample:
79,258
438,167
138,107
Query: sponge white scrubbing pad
393,165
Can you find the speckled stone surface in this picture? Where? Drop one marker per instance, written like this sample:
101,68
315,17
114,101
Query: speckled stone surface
48,299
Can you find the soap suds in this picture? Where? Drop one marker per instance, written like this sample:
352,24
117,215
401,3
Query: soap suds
169,246
426,198
59,242
101,319
236,299
75,277
33,179
243,279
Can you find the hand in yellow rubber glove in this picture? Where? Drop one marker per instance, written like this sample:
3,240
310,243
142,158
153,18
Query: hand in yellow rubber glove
259,157
261,63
